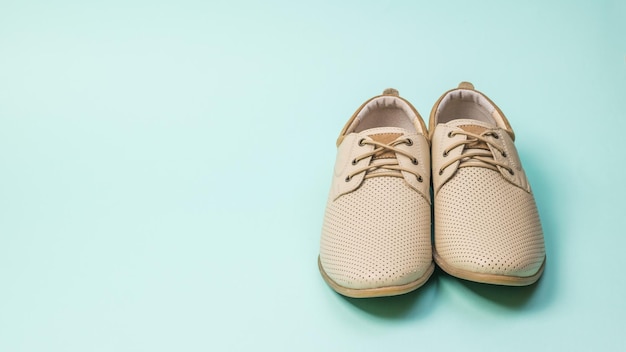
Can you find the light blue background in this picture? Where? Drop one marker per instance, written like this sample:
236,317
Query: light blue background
164,167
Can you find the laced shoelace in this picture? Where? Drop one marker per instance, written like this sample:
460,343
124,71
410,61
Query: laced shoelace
392,164
485,156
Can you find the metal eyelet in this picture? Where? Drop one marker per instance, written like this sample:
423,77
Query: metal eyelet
414,161
409,142
354,162
348,179
419,178
450,134
361,142
440,172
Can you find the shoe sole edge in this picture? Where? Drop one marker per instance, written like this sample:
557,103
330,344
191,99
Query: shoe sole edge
378,291
493,279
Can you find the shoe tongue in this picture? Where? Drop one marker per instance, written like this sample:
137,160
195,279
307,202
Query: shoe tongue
385,135
474,127
471,125
384,130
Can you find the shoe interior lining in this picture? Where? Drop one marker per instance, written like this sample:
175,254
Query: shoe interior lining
465,104
385,111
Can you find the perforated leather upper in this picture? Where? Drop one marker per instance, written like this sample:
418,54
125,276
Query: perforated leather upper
377,225
376,236
485,224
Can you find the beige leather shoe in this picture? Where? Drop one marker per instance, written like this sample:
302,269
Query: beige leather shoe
487,227
376,237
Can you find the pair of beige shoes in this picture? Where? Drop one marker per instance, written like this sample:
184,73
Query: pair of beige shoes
376,236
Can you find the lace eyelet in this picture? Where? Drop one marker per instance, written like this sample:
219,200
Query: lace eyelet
511,172
348,179
409,142
440,172
362,142
495,136
445,153
420,179
451,134
354,162
414,161
504,154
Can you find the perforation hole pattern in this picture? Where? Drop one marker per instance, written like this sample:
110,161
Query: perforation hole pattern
485,224
377,236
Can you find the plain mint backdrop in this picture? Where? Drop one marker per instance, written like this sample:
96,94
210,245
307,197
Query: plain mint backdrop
164,167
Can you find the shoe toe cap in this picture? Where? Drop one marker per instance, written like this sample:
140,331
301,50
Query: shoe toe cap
485,225
377,236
